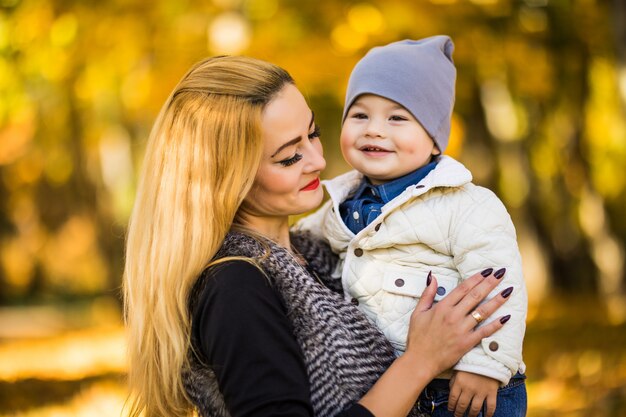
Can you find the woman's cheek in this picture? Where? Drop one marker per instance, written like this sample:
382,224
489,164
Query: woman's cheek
283,181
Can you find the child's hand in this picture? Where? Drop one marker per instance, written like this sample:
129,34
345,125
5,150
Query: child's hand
469,391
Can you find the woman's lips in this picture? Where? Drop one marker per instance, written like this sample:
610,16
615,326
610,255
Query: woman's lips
312,185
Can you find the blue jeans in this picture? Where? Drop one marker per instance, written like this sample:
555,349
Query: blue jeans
511,402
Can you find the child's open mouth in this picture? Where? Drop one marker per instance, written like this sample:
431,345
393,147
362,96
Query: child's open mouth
374,150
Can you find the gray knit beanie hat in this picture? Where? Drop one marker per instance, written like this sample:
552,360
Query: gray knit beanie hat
418,74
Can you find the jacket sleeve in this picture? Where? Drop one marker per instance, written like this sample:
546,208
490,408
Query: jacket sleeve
484,237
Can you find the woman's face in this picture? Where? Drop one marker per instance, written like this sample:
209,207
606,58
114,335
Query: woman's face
288,179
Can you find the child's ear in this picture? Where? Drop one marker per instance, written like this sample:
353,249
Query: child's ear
435,150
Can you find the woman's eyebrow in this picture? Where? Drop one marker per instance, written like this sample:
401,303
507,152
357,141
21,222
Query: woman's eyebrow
294,140
287,144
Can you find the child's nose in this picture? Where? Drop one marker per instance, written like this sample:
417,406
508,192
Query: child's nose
375,128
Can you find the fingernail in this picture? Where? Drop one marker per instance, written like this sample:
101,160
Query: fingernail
499,273
429,278
486,272
507,292
505,318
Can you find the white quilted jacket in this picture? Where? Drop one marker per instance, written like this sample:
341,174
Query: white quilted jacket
446,225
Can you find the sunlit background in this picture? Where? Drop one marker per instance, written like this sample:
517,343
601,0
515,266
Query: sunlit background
539,118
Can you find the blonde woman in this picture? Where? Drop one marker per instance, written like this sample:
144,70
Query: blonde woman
230,315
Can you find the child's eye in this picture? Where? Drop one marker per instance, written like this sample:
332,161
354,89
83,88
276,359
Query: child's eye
359,116
291,161
316,133
397,118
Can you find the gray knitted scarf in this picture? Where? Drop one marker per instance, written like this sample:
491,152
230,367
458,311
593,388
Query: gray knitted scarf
343,351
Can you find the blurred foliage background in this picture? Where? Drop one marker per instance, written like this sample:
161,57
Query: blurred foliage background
539,119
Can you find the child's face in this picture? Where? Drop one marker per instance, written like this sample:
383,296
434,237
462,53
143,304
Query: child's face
382,140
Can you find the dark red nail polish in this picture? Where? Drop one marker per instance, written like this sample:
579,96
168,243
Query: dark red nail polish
499,273
486,272
505,318
429,278
507,292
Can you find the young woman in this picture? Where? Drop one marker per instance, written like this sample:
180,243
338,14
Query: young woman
230,315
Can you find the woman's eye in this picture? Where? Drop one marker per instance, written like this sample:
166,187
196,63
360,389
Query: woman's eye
316,133
291,161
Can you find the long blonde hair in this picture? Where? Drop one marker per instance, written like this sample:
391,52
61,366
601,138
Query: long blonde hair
200,162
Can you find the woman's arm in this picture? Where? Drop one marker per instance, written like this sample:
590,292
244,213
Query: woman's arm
438,336
244,334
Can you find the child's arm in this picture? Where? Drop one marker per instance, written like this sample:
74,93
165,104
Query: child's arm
483,236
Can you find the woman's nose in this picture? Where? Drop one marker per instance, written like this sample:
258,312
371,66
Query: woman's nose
316,161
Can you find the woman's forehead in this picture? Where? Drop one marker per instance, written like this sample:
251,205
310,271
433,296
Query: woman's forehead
286,116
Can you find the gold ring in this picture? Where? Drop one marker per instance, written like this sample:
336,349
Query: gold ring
476,315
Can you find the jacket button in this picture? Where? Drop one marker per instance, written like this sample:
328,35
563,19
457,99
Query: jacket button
419,186
493,346
377,227
441,290
399,282
354,302
358,252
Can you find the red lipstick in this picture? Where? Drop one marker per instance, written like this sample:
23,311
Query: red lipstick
312,185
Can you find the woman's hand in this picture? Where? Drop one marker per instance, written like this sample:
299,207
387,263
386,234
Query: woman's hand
439,335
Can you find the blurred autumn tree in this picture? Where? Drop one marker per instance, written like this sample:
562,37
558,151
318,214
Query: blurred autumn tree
539,119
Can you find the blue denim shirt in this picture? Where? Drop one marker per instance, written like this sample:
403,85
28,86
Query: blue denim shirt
365,205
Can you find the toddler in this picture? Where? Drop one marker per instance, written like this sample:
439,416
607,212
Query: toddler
407,211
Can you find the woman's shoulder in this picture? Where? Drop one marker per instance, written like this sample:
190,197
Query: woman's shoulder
234,274
227,279
236,267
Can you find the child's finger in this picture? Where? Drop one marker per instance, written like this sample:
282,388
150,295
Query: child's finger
490,406
454,395
475,407
462,403
428,296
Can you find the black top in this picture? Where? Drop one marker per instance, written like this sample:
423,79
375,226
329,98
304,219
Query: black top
243,331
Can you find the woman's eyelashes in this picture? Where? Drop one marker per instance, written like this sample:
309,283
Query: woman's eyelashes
291,161
298,156
316,133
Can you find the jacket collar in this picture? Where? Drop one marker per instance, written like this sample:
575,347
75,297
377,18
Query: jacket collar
448,173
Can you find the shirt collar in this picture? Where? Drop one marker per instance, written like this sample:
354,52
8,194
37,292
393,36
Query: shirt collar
390,190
